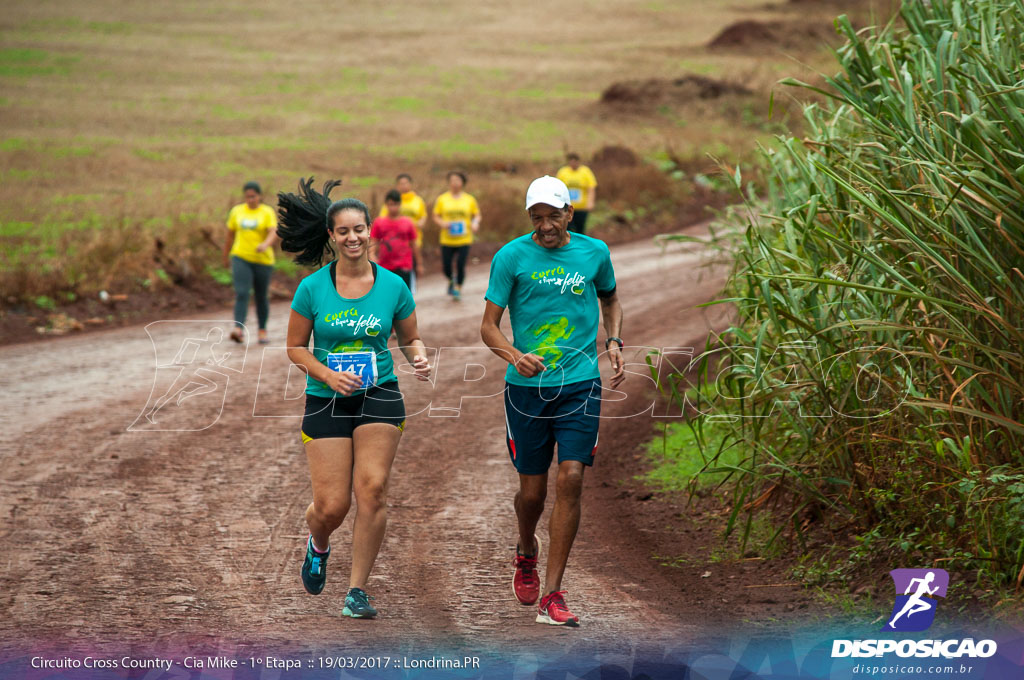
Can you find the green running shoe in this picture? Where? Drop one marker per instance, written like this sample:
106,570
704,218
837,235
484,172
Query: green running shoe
357,605
314,569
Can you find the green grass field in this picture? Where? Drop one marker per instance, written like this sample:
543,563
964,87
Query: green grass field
150,117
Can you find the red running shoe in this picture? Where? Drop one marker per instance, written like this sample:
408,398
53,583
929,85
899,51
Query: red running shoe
526,581
554,612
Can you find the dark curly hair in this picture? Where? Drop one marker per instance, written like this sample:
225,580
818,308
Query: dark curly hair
304,220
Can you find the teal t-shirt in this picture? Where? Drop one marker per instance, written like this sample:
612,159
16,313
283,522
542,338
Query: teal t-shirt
342,325
551,295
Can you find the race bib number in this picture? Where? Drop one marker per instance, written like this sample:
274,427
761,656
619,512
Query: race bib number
575,195
363,364
249,224
457,228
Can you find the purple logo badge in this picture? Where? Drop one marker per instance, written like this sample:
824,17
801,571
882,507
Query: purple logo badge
916,590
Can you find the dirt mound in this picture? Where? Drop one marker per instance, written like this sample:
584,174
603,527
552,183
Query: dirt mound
615,157
658,91
773,34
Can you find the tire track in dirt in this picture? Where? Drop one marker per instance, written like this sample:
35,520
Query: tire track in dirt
157,539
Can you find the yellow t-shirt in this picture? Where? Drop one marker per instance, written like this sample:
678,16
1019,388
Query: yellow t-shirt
460,211
414,208
251,228
580,182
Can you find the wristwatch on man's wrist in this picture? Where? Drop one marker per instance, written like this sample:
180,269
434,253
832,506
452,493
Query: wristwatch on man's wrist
614,339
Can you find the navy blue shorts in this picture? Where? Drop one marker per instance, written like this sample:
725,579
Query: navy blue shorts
537,418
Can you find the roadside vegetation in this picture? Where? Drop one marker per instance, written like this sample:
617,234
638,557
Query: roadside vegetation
872,388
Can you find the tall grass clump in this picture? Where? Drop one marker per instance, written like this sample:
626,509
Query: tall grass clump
876,373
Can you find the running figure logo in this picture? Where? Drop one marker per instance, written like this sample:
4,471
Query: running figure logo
199,373
548,335
915,611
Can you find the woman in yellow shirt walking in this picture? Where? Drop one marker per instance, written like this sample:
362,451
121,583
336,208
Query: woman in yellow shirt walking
458,216
252,233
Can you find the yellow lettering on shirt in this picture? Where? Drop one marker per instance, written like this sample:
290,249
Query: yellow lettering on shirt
344,314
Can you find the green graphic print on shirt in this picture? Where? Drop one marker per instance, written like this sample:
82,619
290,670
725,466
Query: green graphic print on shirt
356,346
548,336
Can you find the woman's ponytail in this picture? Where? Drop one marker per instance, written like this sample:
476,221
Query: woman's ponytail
303,222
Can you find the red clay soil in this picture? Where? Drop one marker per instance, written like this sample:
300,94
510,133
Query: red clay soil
187,532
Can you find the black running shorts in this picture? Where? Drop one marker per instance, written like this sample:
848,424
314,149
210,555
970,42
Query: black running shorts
327,417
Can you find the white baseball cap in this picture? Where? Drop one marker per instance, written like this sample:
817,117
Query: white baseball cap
549,191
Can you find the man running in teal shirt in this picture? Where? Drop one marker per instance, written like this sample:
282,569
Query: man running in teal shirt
556,284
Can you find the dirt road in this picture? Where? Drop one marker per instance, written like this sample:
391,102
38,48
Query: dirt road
122,530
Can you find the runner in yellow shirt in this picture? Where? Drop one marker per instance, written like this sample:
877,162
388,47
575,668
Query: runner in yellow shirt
415,208
252,233
458,216
582,190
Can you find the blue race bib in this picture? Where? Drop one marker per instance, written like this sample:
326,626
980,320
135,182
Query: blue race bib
363,364
457,228
575,195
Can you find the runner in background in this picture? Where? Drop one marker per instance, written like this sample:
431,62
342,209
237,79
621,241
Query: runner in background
252,233
458,216
354,413
582,190
393,240
415,208
556,285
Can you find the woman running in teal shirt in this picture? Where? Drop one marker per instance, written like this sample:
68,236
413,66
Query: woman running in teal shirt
354,413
